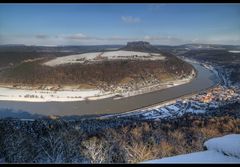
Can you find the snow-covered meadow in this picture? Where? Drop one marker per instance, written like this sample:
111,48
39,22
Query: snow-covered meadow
10,94
110,55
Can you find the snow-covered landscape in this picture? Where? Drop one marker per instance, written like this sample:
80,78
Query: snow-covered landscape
71,93
119,84
225,149
99,56
11,94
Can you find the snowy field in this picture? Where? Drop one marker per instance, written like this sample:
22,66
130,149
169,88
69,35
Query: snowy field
224,149
48,95
97,56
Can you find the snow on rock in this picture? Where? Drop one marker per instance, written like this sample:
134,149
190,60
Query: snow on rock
173,107
229,145
164,111
195,111
224,149
209,156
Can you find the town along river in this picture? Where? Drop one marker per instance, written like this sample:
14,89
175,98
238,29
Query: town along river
204,79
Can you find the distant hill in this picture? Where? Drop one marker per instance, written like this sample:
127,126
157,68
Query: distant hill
209,47
14,54
51,49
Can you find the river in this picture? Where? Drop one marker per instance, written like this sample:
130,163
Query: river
205,79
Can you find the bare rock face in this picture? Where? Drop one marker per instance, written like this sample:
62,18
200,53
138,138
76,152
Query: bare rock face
141,46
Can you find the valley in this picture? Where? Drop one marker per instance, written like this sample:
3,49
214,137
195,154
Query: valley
92,76
119,83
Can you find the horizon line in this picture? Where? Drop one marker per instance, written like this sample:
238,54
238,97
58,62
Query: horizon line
120,44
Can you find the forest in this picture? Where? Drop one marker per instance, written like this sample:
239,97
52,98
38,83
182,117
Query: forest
112,140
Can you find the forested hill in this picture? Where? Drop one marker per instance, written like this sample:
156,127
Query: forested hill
124,73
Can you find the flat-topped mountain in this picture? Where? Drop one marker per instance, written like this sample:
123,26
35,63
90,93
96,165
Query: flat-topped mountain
140,46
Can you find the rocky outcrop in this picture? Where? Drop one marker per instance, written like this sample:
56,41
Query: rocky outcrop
141,46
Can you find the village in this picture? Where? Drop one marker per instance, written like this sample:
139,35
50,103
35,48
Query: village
221,94
200,103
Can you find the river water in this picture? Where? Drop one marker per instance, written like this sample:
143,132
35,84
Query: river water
204,80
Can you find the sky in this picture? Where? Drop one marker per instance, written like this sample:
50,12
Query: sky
99,24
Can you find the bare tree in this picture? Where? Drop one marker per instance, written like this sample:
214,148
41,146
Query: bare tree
138,152
52,147
95,150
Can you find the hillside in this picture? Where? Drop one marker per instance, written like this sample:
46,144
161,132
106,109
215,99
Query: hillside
145,65
14,54
226,62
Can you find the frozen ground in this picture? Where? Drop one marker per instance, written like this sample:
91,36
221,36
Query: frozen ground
96,56
224,149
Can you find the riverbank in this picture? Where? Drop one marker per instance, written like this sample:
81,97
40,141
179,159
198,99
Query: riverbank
46,95
184,99
158,87
204,80
72,93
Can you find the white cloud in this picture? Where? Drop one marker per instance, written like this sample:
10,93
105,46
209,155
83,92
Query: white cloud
219,39
155,7
146,37
121,38
76,36
130,19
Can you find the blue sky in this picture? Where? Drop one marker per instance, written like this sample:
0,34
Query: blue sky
90,24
